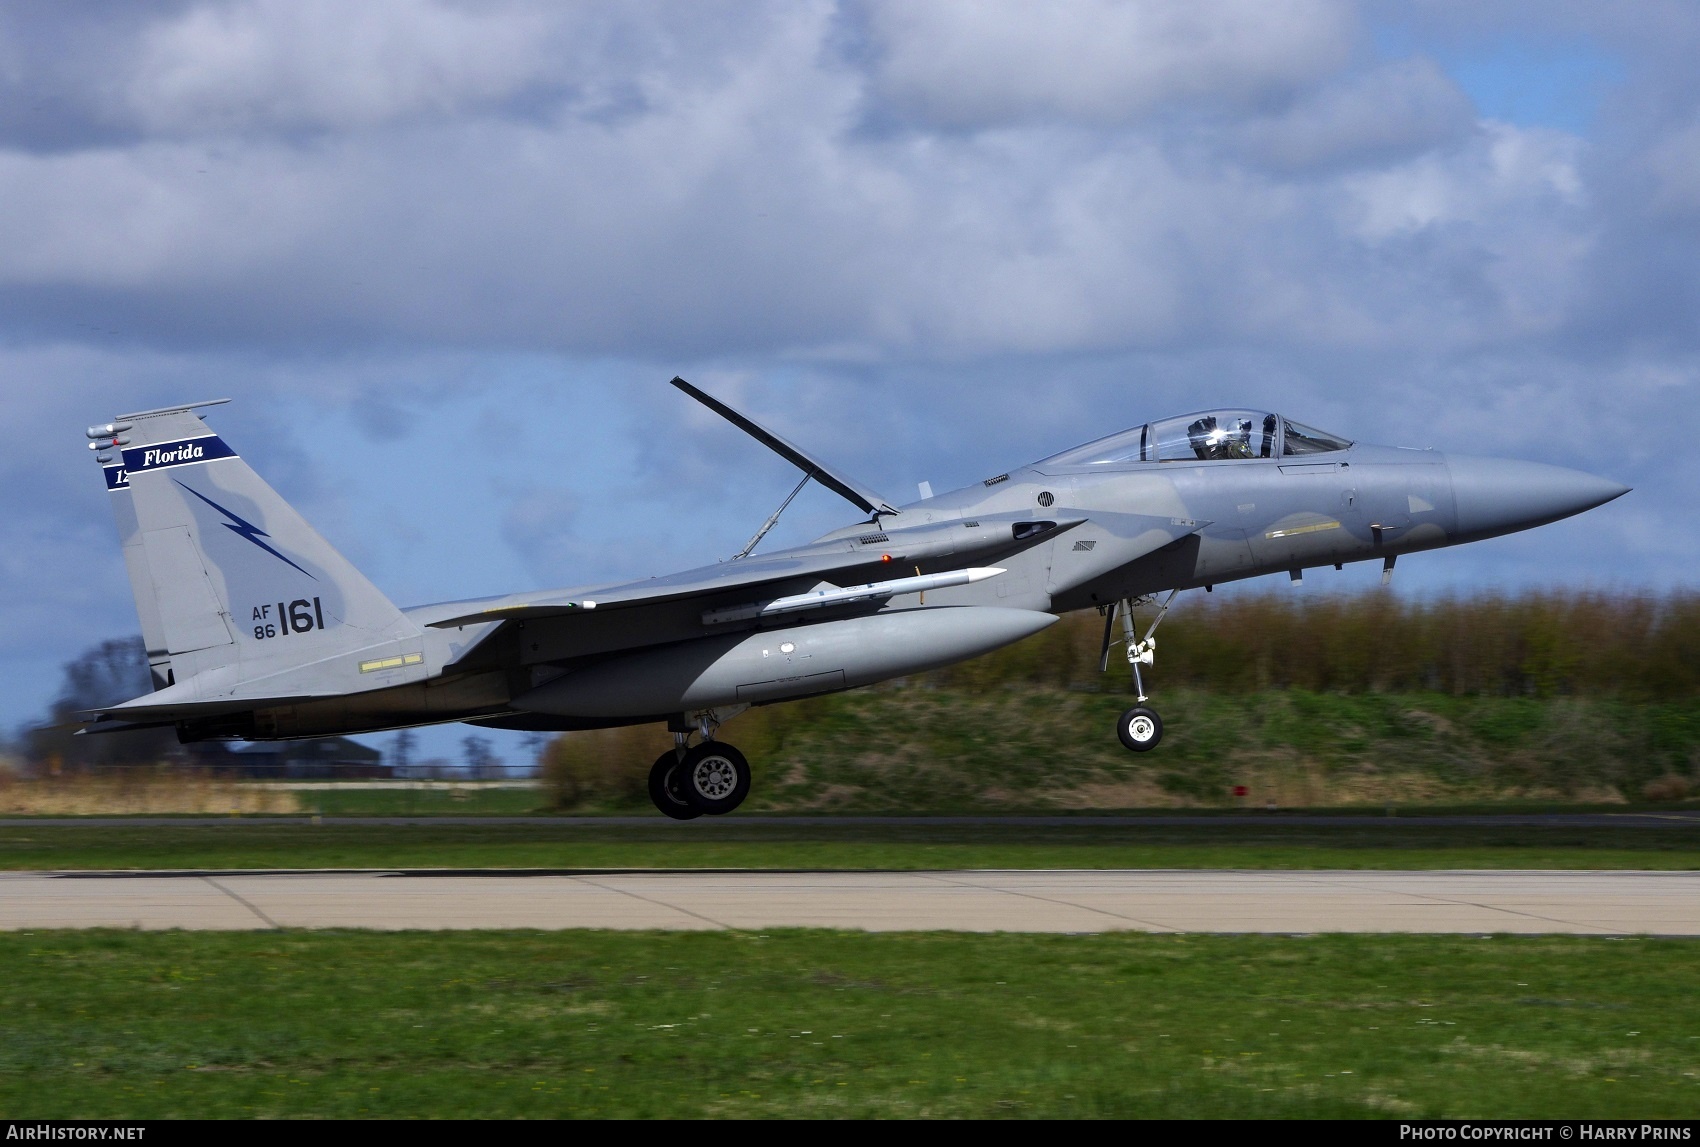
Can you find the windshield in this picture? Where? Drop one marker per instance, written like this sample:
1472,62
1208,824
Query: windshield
1128,446
1208,436
1302,439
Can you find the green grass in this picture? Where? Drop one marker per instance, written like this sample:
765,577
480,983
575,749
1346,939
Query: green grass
755,845
424,802
493,1024
922,746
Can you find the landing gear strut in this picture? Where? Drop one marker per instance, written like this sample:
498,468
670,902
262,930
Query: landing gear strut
1139,728
710,777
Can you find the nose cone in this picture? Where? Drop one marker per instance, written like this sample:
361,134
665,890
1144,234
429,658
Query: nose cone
1500,496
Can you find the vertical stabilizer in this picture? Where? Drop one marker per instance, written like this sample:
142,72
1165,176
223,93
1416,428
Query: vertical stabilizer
141,578
234,589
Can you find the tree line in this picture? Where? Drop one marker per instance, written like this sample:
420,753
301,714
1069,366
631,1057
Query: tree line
1539,643
1633,645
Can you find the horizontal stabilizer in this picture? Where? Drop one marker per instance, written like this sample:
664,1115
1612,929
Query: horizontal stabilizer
108,725
147,710
189,699
848,488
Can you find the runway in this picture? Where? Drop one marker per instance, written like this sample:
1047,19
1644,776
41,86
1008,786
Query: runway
1471,902
1676,818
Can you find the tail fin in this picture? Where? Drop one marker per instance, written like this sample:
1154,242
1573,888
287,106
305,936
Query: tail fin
141,579
227,576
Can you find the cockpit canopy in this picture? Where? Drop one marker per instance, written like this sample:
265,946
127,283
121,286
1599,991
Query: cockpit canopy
1207,436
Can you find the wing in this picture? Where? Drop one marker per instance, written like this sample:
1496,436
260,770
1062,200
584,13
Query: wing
875,556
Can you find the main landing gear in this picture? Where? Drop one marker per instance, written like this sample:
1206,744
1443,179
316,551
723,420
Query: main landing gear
1139,728
710,777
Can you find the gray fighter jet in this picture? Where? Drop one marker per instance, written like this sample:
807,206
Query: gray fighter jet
256,628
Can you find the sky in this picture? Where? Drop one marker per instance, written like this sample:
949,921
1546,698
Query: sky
444,258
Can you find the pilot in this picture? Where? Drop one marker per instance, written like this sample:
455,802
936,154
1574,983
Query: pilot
1210,440
1239,444
1200,434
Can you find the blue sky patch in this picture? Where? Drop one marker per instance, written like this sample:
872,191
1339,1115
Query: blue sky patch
1528,82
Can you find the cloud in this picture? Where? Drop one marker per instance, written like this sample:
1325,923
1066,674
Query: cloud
78,76
929,240
307,178
316,65
700,181
1674,165
62,68
1102,62
1394,111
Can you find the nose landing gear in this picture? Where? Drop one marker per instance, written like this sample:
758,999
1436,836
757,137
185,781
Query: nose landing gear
1139,728
710,777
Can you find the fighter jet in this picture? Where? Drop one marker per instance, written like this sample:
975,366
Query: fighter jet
256,628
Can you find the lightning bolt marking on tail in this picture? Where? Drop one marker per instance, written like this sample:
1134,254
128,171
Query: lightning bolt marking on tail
244,529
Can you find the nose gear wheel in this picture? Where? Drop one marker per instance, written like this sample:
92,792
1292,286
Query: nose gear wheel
1140,729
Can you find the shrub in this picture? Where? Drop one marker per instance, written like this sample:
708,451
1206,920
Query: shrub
1543,644
603,766
1669,787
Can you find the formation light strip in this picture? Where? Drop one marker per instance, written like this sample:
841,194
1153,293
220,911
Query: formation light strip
391,662
1317,527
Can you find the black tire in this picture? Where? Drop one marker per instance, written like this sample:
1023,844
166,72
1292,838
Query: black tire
714,777
665,791
1140,729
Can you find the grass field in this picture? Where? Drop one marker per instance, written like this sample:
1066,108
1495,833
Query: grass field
143,791
932,746
754,845
401,801
152,1025
926,747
